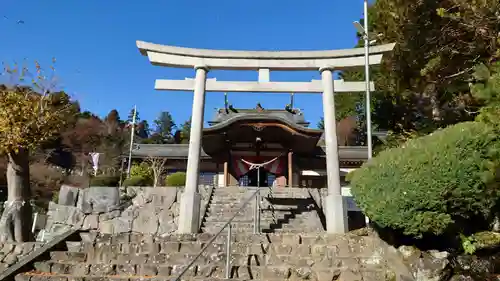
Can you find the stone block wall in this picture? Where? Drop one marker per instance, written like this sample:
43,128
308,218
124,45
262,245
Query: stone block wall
108,210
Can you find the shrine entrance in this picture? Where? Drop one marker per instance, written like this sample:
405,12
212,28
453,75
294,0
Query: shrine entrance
258,177
237,129
257,171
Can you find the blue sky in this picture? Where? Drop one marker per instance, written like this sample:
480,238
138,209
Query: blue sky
98,62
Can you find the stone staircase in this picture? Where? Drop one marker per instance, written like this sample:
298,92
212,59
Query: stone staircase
292,246
281,210
270,257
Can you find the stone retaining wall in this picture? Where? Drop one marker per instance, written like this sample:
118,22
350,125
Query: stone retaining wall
146,210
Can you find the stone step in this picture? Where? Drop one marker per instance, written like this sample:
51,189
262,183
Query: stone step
311,238
233,192
262,204
235,196
242,219
269,195
252,188
236,225
246,214
218,193
249,213
235,207
78,253
168,269
240,230
324,256
263,192
35,276
264,195
237,188
263,229
232,188
282,222
218,206
249,217
234,202
122,272
240,195
214,230
69,256
61,277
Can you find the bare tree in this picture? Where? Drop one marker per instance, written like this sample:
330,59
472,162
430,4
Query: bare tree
157,164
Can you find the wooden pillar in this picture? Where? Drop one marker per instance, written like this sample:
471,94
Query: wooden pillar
290,169
226,176
216,179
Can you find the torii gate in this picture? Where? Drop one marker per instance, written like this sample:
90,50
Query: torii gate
203,60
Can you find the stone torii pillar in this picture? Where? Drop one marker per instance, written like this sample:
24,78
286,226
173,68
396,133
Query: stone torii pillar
334,207
189,213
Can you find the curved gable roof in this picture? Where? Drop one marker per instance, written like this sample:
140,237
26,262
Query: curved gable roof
261,117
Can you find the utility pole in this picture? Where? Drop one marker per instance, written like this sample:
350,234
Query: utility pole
132,134
367,82
363,30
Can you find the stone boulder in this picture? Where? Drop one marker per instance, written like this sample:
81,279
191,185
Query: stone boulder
486,240
425,265
469,267
461,278
68,195
433,266
61,214
99,199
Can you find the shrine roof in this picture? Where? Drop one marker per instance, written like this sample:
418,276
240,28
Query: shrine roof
180,151
294,120
172,151
223,116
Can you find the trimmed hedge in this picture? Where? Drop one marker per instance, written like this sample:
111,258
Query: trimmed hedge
105,181
137,181
443,183
141,170
176,179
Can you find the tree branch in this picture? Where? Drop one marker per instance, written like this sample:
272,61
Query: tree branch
157,164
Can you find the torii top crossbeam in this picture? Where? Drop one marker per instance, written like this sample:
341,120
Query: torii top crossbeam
253,60
264,62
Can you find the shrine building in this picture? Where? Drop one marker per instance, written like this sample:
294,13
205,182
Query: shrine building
290,153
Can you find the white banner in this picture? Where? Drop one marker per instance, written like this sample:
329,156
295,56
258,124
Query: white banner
95,161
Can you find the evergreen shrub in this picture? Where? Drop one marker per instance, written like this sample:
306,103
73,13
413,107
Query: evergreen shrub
105,180
442,183
137,181
176,179
141,170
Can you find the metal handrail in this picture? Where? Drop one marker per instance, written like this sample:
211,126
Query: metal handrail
228,246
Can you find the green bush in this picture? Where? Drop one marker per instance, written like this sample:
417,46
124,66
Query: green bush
105,181
443,183
141,170
176,179
137,181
